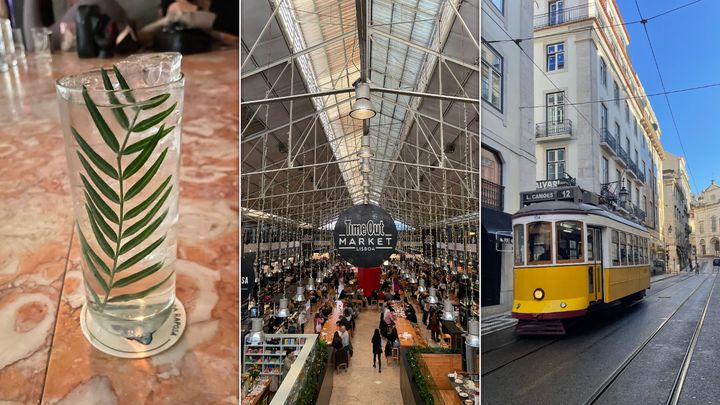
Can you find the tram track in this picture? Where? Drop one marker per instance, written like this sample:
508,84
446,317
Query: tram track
548,343
680,377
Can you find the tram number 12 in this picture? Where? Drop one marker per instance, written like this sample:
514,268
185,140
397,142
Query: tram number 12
565,193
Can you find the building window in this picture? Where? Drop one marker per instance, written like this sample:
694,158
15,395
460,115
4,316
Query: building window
554,111
555,56
618,175
555,159
644,204
539,235
556,13
519,238
569,241
635,128
701,227
637,157
713,224
603,117
616,94
500,5
491,173
629,190
617,131
492,73
627,146
637,196
644,169
627,114
603,72
605,170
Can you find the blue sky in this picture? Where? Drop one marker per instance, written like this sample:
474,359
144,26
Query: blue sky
686,44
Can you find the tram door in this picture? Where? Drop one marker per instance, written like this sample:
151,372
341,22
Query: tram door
595,271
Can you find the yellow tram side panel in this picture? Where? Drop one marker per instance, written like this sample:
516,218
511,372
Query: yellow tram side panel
568,284
620,282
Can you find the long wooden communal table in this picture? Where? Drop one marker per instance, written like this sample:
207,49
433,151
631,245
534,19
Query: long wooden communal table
404,326
330,326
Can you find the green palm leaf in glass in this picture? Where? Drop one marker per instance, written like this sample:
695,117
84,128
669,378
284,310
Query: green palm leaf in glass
122,136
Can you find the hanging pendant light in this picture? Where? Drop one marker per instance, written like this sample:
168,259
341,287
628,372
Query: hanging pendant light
448,312
256,335
299,296
421,287
473,336
283,312
362,108
432,299
413,280
310,285
319,278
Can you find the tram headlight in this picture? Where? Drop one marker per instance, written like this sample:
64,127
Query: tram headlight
562,304
539,294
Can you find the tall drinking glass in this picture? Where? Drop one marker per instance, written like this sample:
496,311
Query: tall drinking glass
19,44
6,36
122,139
41,42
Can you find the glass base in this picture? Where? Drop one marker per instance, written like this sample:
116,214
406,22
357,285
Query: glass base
135,348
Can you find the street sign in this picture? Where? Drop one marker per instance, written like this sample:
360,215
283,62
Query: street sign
365,235
567,193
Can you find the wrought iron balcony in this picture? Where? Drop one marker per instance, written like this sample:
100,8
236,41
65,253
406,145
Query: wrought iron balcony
548,129
609,139
632,168
492,195
623,154
563,16
638,213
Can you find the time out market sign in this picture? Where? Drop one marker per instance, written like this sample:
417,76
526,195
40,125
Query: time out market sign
365,235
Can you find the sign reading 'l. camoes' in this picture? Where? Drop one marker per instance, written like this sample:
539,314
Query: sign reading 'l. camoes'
365,235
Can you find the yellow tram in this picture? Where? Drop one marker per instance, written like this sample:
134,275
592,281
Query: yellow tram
571,257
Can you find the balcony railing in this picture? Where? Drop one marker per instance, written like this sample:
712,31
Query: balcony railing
546,129
639,213
623,154
492,195
562,16
607,137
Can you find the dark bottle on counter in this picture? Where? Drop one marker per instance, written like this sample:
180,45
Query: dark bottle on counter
86,17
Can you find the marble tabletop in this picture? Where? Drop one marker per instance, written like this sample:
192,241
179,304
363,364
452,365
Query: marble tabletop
44,357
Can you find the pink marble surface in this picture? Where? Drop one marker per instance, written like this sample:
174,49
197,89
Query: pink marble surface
44,357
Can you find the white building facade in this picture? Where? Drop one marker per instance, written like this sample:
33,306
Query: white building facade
507,159
593,121
705,222
677,212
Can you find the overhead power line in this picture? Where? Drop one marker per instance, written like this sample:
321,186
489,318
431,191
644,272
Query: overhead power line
584,29
684,90
532,60
667,99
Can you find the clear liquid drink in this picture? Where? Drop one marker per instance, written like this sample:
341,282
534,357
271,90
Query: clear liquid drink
121,127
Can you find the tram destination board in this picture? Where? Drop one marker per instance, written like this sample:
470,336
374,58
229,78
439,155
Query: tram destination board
365,235
557,194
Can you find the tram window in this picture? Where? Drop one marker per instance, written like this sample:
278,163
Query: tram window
632,248
623,249
539,235
519,237
569,241
614,250
642,250
636,249
591,245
